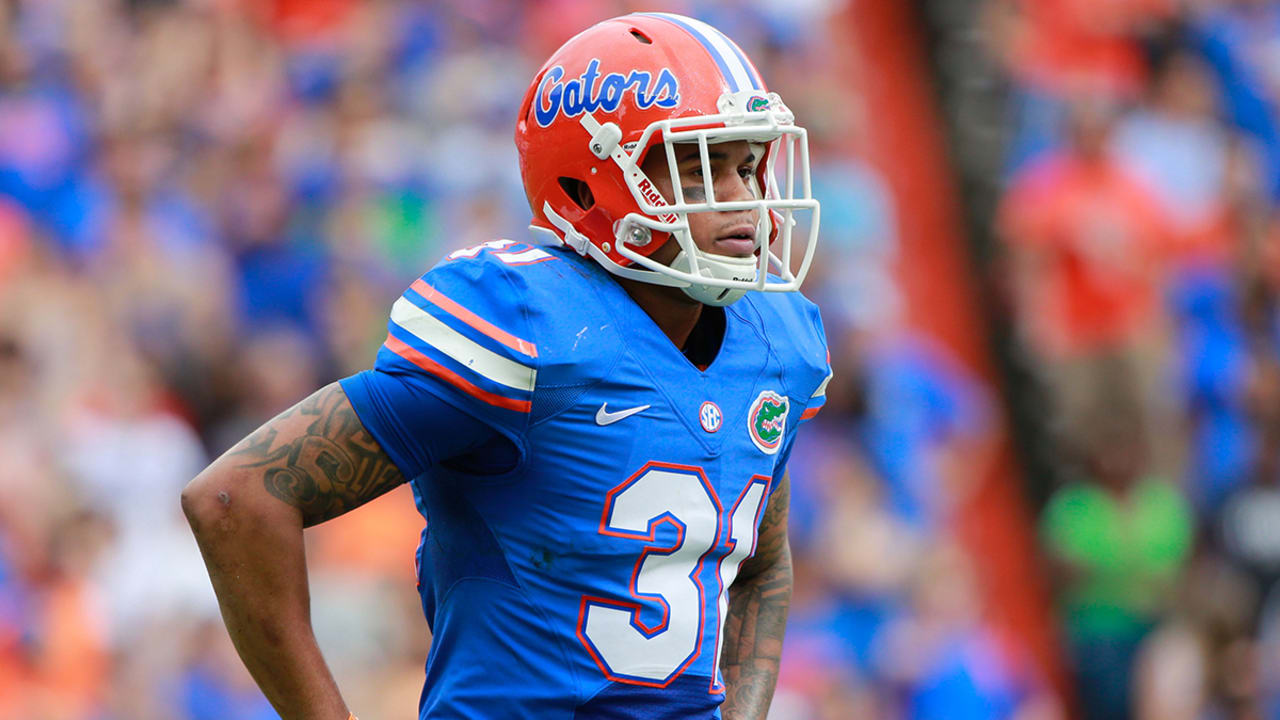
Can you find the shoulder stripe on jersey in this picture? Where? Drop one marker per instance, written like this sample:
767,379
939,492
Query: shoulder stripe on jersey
810,412
467,352
822,389
433,295
733,64
525,257
397,346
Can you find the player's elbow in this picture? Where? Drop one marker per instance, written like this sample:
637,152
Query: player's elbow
220,500
206,502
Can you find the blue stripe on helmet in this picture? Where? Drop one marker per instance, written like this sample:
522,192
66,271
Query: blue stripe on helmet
711,50
756,82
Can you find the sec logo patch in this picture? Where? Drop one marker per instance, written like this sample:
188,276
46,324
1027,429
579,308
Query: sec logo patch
710,416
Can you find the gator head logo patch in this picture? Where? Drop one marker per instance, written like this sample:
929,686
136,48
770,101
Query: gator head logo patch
767,420
757,103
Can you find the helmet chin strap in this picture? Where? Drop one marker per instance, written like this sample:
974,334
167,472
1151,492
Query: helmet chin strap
721,267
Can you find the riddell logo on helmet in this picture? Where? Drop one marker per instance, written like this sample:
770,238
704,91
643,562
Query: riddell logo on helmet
655,198
592,91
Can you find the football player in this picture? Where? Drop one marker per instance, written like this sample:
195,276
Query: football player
595,429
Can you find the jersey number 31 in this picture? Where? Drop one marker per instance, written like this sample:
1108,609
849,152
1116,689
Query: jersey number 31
669,576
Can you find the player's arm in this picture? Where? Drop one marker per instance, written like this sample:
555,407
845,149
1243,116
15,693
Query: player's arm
311,463
758,603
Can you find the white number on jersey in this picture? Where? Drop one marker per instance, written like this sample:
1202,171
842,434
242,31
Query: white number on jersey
624,647
508,251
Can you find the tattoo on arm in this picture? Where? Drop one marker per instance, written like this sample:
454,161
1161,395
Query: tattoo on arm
757,617
331,467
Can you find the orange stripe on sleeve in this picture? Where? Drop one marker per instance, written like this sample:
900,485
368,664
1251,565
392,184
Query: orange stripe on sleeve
398,347
435,296
810,412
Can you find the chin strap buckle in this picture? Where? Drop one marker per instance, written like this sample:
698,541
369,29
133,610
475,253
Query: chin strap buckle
571,236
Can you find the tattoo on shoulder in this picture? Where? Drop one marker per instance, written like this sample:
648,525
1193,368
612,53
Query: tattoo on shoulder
332,467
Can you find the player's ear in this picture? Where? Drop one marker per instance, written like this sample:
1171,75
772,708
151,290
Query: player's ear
579,192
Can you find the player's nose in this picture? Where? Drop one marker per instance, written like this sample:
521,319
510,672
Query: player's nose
735,188
732,187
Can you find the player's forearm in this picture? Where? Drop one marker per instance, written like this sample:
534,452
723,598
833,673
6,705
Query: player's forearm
253,549
754,627
311,463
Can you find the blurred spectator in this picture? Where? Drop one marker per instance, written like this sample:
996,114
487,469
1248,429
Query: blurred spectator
1057,49
1171,676
1089,242
215,684
1118,538
927,426
1248,525
940,656
1268,655
838,607
1064,45
839,505
1217,371
1240,40
1179,204
1175,144
1222,604
859,247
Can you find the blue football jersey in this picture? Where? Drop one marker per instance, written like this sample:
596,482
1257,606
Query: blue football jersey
590,579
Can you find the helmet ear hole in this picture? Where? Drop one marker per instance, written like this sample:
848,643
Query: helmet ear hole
579,192
641,37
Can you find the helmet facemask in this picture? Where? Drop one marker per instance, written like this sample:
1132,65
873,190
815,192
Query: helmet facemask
713,279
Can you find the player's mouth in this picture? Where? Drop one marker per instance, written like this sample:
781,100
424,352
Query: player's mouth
737,240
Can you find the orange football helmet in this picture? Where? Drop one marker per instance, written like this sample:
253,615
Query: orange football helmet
650,81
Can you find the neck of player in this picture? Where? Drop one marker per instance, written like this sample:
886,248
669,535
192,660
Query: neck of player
695,329
675,313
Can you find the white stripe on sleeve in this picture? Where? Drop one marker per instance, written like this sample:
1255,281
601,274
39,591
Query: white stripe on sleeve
822,389
523,256
466,351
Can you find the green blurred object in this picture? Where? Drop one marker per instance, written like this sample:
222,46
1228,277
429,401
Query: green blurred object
406,228
1125,553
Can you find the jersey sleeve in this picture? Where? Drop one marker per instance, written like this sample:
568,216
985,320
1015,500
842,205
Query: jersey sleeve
461,333
817,367
412,423
808,369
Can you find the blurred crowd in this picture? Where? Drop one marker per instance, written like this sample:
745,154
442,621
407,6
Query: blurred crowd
1141,244
207,207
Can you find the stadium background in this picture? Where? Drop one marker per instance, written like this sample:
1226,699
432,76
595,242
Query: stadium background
1045,485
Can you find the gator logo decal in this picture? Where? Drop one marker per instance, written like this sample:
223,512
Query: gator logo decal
767,421
757,103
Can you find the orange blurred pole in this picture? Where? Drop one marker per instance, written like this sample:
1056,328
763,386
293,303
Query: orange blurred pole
905,142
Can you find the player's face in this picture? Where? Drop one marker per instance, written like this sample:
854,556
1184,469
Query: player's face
733,167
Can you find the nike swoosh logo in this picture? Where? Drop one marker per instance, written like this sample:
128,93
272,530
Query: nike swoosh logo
604,417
